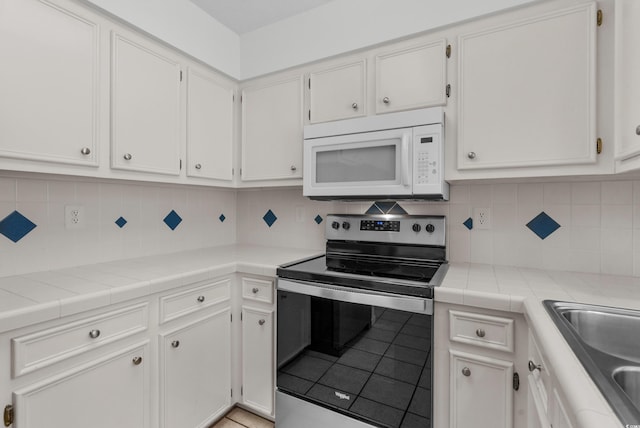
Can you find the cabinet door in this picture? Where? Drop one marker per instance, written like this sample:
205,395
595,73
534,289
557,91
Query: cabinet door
272,130
145,107
480,391
257,359
110,392
49,82
195,372
527,92
557,412
627,85
411,78
209,126
338,92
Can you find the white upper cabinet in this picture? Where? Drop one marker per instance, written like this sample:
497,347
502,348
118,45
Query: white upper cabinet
338,92
413,77
145,106
49,82
272,129
527,92
627,85
209,126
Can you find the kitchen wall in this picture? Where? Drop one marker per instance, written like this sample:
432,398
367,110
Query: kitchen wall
599,222
42,200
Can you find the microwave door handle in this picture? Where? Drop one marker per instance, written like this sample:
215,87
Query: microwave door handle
406,178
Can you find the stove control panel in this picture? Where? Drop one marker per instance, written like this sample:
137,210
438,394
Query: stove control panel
401,229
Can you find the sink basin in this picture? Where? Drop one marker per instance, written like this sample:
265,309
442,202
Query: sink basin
606,340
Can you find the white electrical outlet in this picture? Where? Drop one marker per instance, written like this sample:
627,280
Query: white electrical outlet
482,218
74,217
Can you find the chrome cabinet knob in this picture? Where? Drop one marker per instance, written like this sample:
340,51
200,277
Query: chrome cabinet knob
198,166
127,156
533,366
471,155
480,332
175,343
200,299
94,334
293,168
137,360
354,106
85,151
255,290
386,100
466,371
261,322
638,130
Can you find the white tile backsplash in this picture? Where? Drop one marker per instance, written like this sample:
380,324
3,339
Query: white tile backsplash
599,222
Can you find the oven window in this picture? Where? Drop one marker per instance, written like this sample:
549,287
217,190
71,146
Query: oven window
375,163
368,362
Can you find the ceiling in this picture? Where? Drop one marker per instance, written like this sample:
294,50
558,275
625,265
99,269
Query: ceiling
243,16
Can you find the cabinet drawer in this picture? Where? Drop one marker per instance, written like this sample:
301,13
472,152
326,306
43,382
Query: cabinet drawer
481,330
259,290
179,304
46,347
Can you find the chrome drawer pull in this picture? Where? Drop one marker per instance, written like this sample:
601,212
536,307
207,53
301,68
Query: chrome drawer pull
137,360
85,151
94,334
533,366
261,322
480,332
255,290
175,343
200,299
466,371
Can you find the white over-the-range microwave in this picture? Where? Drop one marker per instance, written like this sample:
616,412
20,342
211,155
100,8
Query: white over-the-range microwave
390,156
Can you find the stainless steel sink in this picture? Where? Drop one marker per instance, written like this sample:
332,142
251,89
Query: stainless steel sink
606,340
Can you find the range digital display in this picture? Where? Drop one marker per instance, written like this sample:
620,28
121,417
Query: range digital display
380,225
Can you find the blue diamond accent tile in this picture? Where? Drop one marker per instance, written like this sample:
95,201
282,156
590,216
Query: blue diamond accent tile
15,226
543,225
121,222
270,218
468,223
385,207
318,219
222,218
172,220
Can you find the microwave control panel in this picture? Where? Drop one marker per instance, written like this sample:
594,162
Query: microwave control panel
428,159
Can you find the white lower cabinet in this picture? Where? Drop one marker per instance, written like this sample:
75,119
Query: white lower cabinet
258,350
195,375
477,354
481,391
112,391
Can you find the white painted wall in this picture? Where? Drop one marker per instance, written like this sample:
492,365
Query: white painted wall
184,26
345,25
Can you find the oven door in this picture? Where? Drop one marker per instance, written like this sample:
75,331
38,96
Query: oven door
371,163
352,358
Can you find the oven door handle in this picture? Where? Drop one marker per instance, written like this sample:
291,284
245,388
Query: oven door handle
418,305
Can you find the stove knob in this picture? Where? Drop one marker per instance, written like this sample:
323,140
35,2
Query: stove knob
416,227
346,225
429,228
335,225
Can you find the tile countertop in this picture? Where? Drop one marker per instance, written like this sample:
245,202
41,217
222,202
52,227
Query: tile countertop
523,290
44,296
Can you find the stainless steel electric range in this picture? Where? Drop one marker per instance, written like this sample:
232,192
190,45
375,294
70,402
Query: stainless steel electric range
354,327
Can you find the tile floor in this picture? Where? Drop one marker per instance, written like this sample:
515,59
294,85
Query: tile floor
240,418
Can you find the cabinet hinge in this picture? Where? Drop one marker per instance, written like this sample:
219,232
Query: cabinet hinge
8,415
309,82
231,392
231,317
241,390
180,164
233,172
181,75
240,316
599,17
448,51
599,145
240,99
309,114
448,90
516,381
